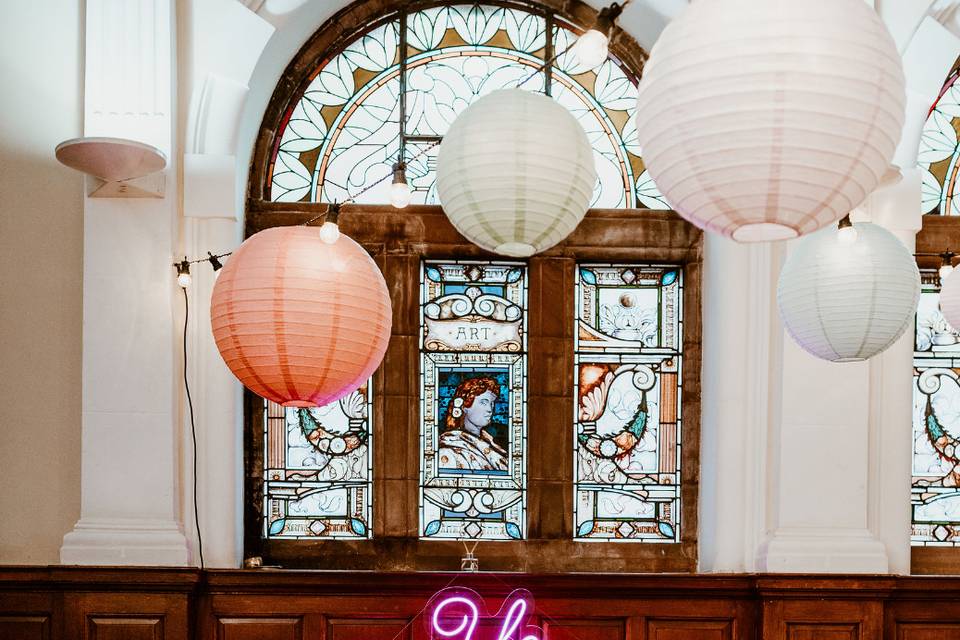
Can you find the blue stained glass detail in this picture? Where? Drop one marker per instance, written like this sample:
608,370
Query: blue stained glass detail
666,529
473,400
318,469
628,416
935,491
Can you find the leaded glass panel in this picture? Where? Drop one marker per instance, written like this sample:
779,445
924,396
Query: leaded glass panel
347,129
317,469
939,158
628,414
936,424
473,379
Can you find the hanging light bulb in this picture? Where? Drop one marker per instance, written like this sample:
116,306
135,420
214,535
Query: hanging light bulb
946,267
400,190
184,279
593,47
330,230
846,232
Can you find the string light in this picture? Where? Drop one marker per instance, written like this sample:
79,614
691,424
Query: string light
593,47
846,233
400,191
946,266
330,230
184,279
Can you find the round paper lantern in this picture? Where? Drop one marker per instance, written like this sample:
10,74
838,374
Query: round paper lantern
515,172
769,119
299,321
844,301
950,299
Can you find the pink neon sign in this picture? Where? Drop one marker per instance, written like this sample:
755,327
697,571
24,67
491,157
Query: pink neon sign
454,613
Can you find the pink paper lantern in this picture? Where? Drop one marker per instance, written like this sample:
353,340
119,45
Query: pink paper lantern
298,321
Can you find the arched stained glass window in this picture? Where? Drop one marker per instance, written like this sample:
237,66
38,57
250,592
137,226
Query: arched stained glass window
939,151
394,90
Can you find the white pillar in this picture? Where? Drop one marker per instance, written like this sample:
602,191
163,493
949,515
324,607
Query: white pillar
741,338
130,508
211,224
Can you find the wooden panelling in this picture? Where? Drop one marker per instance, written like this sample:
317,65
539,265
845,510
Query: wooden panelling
366,629
929,618
676,629
927,631
259,629
124,628
810,631
822,619
24,627
126,616
178,604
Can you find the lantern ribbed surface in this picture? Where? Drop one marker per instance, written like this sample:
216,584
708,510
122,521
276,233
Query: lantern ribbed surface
769,119
848,302
515,172
950,299
298,321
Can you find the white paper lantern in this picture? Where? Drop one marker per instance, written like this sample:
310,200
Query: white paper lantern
950,298
848,301
768,119
515,172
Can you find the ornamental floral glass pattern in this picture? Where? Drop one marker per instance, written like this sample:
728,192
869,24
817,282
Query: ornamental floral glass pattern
350,125
473,379
628,372
939,157
317,469
936,424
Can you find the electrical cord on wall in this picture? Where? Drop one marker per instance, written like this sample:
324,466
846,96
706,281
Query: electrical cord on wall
193,424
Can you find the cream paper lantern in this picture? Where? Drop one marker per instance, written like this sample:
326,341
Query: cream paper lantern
769,119
515,172
950,298
848,301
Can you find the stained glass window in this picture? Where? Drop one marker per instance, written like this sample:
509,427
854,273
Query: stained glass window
317,469
939,157
473,379
351,125
628,371
936,424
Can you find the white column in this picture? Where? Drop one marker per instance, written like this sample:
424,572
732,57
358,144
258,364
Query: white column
741,338
210,224
130,508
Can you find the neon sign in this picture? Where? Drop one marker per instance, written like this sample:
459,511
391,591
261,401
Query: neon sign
454,613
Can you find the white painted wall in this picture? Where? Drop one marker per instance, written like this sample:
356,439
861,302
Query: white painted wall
41,261
767,430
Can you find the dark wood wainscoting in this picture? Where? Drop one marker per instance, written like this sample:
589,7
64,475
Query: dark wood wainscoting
49,603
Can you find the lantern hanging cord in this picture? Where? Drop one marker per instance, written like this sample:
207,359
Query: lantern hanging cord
193,424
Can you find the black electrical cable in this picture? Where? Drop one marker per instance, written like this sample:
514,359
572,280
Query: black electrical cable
193,424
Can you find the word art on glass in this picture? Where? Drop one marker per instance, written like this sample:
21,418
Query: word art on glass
473,378
628,354
935,494
317,469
